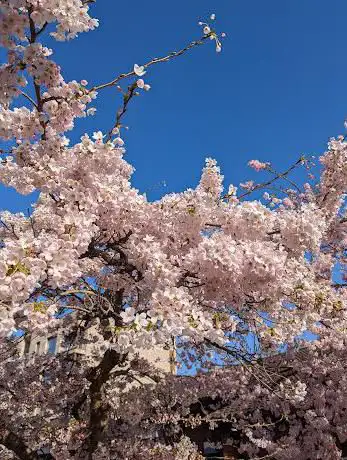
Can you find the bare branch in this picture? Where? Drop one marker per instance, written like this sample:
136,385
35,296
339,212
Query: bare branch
154,61
271,181
29,98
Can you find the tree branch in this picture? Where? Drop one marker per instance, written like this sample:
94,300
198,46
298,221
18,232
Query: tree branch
29,98
37,87
269,182
166,58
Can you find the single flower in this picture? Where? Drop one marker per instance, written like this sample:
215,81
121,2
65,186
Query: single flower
91,111
128,315
140,83
119,141
139,70
98,136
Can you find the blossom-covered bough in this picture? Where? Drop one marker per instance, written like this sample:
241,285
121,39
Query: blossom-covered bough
232,279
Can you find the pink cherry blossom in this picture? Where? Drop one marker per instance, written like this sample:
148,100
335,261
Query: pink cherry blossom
257,165
204,279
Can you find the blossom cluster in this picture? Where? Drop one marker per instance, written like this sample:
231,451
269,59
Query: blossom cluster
214,270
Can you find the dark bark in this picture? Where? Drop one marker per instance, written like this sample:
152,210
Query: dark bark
98,416
16,445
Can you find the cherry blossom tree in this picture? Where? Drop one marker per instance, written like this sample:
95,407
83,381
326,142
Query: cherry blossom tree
229,275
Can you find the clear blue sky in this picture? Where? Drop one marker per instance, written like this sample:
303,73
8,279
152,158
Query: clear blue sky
277,90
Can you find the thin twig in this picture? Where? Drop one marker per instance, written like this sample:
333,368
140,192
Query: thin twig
29,98
271,181
275,173
120,113
166,58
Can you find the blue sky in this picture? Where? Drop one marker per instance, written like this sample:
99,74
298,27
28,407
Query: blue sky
277,90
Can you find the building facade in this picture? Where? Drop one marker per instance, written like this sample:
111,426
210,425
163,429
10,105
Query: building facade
164,359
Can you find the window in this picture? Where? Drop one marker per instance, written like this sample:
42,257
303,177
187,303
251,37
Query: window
26,345
52,345
213,450
37,350
45,377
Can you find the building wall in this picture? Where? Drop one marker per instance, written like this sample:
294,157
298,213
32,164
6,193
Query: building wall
38,345
162,359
